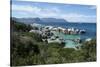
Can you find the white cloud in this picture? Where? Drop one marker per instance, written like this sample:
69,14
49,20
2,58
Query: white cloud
33,11
75,17
36,10
24,8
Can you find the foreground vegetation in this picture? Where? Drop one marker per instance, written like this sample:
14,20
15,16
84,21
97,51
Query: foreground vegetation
28,49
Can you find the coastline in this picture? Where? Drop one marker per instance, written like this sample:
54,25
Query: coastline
71,40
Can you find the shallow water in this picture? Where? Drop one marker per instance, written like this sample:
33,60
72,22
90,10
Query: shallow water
89,27
69,43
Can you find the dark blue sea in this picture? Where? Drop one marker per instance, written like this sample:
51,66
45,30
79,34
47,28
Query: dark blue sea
89,27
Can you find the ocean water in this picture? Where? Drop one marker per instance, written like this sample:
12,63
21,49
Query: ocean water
89,27
69,43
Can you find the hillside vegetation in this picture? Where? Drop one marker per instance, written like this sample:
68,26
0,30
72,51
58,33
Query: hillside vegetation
29,49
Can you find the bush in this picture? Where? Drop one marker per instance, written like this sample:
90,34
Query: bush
89,49
29,49
19,27
56,45
21,48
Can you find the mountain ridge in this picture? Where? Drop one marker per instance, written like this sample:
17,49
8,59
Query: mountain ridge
39,20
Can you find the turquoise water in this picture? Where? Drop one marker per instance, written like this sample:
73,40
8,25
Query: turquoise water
69,43
89,27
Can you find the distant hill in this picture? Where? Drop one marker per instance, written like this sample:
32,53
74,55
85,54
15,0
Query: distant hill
46,20
19,27
39,20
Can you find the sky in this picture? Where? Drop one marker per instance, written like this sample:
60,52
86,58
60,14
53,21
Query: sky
69,12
